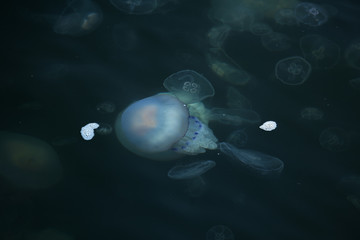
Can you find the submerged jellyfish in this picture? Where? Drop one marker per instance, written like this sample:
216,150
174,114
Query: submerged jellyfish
311,14
319,51
275,41
80,17
219,232
292,70
190,170
311,113
161,127
352,54
257,162
135,6
28,162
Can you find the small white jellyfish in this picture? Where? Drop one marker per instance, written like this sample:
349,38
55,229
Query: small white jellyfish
190,170
160,127
268,126
87,131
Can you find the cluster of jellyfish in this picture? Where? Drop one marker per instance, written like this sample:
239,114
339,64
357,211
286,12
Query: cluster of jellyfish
174,124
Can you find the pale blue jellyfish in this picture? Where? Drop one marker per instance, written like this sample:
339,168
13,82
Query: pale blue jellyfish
161,127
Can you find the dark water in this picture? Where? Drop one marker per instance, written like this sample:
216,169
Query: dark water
51,85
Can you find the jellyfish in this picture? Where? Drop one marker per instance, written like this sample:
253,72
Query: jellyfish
190,170
105,107
257,162
135,6
28,162
335,139
236,100
268,126
161,126
87,131
319,51
104,129
259,29
355,83
352,54
219,232
311,114
218,34
286,17
311,14
275,41
79,18
292,70
238,138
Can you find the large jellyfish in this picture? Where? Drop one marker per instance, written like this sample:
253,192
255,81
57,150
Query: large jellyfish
28,162
166,126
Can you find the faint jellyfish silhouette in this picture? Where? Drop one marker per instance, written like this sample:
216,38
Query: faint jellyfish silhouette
350,186
104,129
355,83
190,170
257,162
236,15
218,34
238,138
312,114
334,139
275,41
259,29
106,107
219,232
125,37
189,86
236,100
311,14
135,6
234,117
28,162
195,187
79,18
352,54
319,51
226,68
286,16
292,70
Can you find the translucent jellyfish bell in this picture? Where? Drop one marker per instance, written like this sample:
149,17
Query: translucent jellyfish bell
160,127
79,18
189,86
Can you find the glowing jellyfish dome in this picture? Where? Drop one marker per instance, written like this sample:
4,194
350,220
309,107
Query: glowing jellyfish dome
161,126
28,162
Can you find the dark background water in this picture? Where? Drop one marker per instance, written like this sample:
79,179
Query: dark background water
52,83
